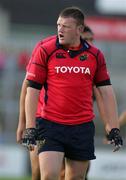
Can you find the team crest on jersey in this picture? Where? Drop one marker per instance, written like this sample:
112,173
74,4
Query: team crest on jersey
60,55
83,57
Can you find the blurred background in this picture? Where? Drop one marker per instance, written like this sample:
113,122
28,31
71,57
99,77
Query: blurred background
22,24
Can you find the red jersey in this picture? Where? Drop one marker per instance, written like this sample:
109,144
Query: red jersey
41,97
40,101
69,76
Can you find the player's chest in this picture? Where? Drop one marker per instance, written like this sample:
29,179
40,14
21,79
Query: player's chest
62,64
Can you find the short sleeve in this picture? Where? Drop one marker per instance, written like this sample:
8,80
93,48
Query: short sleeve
102,73
37,67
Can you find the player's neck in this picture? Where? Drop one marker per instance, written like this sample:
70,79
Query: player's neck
74,46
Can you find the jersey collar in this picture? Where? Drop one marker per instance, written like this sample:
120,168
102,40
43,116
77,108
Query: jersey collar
74,53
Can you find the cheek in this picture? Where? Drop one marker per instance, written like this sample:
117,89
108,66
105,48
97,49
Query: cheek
71,33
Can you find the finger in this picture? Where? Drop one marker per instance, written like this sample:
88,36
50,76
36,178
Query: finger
109,142
105,141
19,137
30,147
112,142
117,148
24,144
20,141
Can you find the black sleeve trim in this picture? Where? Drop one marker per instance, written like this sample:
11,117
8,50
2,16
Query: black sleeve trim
34,84
104,83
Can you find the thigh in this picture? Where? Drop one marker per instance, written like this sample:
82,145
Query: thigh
62,172
35,164
50,164
75,170
50,136
88,169
80,142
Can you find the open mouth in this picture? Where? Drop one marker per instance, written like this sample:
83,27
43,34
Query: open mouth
61,36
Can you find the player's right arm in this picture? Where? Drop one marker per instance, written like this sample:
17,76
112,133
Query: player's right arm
36,77
22,118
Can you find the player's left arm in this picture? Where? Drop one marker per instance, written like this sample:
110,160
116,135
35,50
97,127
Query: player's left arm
110,104
101,109
110,107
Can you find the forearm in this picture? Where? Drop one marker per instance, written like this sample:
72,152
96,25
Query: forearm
100,106
31,103
101,109
103,116
110,105
22,119
112,111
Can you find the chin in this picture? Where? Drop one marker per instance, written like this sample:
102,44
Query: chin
62,42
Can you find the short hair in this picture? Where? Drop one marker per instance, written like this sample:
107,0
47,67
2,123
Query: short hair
73,12
88,29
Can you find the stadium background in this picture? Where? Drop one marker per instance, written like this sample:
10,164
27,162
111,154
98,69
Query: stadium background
22,24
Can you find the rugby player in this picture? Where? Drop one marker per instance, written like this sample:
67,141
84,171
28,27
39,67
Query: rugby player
68,67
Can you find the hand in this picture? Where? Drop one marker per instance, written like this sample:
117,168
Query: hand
29,138
19,133
115,138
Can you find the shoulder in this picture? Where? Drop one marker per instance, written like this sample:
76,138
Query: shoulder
45,41
49,39
47,44
95,51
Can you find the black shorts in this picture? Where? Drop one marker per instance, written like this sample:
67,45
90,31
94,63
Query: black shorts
76,141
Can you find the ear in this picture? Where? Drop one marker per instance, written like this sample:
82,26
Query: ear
81,29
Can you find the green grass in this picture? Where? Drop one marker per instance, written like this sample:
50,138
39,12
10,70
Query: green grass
21,178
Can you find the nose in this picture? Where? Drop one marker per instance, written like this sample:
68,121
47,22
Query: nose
60,28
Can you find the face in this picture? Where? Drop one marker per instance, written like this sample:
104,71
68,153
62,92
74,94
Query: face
89,37
68,31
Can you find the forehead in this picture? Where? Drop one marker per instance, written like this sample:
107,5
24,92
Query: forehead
66,20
